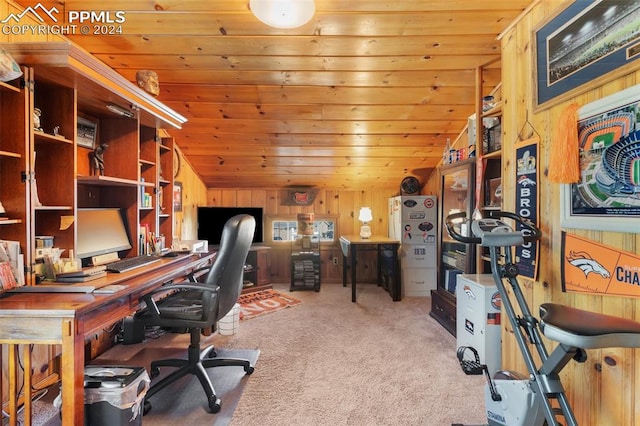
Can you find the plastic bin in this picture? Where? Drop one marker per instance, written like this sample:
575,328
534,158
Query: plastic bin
228,324
114,395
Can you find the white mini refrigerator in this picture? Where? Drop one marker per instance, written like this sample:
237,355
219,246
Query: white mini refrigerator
478,305
413,221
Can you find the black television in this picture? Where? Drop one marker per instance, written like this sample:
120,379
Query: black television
211,220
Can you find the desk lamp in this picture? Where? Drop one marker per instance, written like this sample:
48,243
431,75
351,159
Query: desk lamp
365,217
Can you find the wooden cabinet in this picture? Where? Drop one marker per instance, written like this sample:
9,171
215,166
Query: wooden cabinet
82,105
257,271
455,258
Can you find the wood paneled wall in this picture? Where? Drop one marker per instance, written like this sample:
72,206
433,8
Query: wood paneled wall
603,391
194,194
345,205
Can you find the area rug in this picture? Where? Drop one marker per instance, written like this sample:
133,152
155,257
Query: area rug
264,302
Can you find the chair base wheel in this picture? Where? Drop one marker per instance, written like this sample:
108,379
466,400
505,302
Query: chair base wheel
214,404
155,372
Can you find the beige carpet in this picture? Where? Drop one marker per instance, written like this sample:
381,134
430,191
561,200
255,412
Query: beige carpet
329,361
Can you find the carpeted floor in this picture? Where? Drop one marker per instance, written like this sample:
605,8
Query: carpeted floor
328,361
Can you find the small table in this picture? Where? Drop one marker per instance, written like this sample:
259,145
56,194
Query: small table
351,243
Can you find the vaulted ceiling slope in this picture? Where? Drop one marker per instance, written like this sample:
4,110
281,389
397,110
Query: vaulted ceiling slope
363,95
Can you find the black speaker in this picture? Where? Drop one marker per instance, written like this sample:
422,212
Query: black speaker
132,331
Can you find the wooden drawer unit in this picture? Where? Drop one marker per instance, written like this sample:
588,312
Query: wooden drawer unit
443,310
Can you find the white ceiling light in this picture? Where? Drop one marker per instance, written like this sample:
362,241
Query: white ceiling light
283,13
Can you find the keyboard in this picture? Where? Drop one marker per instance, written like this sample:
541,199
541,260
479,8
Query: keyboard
130,263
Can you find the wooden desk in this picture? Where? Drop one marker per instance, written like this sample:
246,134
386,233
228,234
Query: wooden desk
68,318
352,242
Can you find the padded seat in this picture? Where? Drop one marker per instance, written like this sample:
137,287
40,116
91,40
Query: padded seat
587,330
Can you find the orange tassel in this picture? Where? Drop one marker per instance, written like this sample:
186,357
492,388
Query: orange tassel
564,158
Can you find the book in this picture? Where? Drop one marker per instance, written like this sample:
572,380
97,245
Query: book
81,278
7,279
82,272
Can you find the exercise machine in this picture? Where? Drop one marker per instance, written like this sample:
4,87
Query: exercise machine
531,399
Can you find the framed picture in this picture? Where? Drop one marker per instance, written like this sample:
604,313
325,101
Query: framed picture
493,192
87,131
584,43
177,196
606,198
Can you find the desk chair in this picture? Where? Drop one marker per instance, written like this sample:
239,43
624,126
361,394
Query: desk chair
195,307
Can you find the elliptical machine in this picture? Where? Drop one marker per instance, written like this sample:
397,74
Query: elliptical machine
512,398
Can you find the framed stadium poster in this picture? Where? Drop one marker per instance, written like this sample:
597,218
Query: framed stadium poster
608,194
584,45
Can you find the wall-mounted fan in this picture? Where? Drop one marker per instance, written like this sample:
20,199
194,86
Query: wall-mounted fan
409,186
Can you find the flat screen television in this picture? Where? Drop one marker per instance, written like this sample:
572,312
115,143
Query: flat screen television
101,231
211,220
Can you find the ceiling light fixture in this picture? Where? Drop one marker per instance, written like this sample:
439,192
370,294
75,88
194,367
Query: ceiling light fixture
283,13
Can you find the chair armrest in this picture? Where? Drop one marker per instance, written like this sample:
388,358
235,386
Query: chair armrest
191,277
173,289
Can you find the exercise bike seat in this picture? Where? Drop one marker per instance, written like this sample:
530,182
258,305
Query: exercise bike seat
587,330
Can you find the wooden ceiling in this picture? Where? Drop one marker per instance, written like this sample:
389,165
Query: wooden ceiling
363,95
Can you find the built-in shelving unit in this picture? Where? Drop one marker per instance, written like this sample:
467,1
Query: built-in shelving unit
54,162
479,143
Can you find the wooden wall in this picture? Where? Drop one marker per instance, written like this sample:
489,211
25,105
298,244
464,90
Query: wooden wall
603,391
194,194
343,204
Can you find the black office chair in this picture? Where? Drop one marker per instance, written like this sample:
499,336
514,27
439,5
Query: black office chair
195,307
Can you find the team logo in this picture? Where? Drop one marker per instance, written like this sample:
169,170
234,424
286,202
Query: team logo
587,264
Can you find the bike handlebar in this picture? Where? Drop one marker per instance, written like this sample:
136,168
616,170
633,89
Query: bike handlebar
529,233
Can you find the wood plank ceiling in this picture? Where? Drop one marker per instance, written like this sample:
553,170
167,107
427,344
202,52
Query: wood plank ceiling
363,95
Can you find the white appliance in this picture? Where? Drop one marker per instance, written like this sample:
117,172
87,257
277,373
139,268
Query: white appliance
478,305
413,221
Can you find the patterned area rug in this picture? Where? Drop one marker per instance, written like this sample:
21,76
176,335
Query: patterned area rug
264,302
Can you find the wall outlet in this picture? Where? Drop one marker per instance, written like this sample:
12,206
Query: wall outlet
335,260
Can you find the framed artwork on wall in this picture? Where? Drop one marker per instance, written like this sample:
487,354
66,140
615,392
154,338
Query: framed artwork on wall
177,196
607,197
87,131
584,45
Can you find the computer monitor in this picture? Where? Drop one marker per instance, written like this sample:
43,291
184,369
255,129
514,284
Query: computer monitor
101,231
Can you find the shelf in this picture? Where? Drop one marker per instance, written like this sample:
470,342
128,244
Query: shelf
106,181
7,86
147,162
146,184
496,111
52,208
493,154
10,154
47,137
9,221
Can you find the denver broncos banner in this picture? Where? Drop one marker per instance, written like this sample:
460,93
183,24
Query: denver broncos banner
527,202
590,267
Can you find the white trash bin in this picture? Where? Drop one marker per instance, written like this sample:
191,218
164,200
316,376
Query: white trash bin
228,324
